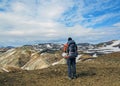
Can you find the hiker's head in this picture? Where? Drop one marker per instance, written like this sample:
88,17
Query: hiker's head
69,38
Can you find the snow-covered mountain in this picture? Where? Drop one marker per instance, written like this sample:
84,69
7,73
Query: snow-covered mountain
85,46
101,48
105,47
47,46
113,47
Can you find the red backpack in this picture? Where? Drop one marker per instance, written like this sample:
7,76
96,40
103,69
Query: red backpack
65,47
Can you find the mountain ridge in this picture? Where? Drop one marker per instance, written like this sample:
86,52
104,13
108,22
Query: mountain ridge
32,57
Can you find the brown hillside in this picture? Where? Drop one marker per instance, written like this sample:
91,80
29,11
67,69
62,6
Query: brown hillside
27,58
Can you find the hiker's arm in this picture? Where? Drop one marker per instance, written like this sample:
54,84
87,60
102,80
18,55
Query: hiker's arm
67,51
76,47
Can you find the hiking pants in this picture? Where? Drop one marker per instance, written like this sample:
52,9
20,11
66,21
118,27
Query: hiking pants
71,62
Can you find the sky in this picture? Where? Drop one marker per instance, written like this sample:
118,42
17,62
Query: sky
40,21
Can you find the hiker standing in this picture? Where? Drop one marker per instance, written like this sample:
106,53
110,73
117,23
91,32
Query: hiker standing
71,60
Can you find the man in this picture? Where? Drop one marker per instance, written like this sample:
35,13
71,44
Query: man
71,60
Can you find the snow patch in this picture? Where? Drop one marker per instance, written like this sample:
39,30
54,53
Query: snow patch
116,43
78,58
48,46
55,63
95,55
111,48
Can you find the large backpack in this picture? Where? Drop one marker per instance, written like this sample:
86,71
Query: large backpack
72,50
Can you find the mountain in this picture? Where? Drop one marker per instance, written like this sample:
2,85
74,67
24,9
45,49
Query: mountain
101,48
4,49
85,46
27,58
39,56
51,46
105,47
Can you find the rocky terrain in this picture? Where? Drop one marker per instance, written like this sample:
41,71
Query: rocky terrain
91,49
27,58
39,56
102,71
39,65
4,49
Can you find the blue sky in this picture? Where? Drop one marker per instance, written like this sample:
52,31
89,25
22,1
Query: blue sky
36,21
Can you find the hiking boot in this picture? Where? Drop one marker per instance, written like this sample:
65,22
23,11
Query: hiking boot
74,77
70,78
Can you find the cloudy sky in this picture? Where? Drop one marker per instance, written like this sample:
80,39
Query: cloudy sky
38,21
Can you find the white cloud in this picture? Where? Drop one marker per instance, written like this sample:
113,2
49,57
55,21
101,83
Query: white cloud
92,12
100,19
117,24
26,21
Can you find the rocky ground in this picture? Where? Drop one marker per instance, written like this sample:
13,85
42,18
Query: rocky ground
102,71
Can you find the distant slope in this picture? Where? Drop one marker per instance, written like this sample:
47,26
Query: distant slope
104,48
112,46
